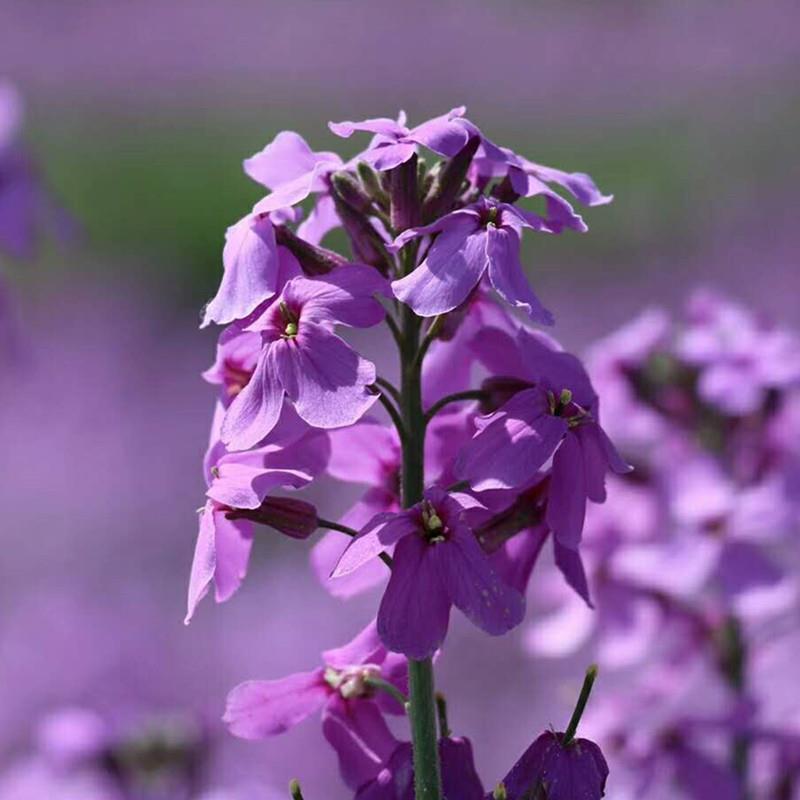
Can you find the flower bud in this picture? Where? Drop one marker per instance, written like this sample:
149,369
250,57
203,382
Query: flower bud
447,185
313,260
405,208
288,516
350,191
368,246
371,182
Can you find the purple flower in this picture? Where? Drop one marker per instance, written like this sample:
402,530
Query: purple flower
437,563
370,453
293,171
301,356
739,357
549,769
557,417
292,456
396,780
394,143
480,239
236,359
352,720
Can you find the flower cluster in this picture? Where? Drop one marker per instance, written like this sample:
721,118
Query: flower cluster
490,444
693,559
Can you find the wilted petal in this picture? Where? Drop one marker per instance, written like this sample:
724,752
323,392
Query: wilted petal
257,709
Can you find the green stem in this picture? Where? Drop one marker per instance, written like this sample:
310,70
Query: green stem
294,789
352,533
422,705
458,397
389,688
580,706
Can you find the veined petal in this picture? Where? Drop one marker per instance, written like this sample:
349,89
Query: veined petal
517,442
358,733
257,709
286,157
383,532
415,609
325,377
251,265
474,587
451,270
507,276
255,410
566,504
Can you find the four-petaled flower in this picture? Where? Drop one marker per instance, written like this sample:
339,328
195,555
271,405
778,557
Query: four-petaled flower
437,564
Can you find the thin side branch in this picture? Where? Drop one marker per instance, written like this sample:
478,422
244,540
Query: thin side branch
457,397
352,533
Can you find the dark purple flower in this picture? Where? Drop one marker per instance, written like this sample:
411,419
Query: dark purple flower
480,239
396,780
301,356
557,417
394,143
352,720
437,564
549,769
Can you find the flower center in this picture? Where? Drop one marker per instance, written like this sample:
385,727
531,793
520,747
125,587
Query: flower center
290,321
353,681
434,529
563,406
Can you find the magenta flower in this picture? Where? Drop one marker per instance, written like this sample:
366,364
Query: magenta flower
437,564
480,239
301,356
291,458
557,772
557,417
394,143
352,720
236,359
396,780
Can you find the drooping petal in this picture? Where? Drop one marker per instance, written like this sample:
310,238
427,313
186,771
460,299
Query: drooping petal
595,462
566,505
474,587
221,556
325,378
257,709
395,781
251,264
511,448
254,412
570,565
358,733
507,276
451,270
382,532
578,184
415,609
296,190
364,648
515,560
321,220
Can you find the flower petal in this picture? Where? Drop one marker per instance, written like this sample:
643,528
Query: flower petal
415,609
251,264
473,585
326,379
383,532
566,505
254,412
451,270
507,276
257,709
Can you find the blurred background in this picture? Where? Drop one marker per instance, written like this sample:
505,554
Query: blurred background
139,115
